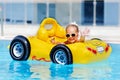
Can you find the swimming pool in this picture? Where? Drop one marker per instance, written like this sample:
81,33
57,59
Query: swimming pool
36,70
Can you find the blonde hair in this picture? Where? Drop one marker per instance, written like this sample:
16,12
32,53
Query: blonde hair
73,25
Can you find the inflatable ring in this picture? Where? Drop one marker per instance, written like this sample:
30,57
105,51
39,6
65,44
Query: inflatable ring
40,48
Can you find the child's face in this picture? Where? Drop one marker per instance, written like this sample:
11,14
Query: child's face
72,34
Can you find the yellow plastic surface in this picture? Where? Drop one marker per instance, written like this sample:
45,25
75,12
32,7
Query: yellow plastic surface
86,52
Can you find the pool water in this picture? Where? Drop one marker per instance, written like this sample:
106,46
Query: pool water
36,70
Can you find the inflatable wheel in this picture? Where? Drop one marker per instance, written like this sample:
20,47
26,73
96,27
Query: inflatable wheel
61,54
20,48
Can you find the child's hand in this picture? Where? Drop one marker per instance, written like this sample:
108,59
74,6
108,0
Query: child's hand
85,32
52,40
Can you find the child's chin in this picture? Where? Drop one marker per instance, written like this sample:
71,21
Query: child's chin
72,41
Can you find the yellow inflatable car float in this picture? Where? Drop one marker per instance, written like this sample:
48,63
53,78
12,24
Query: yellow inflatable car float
40,48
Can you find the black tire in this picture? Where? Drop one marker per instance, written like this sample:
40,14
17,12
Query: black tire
20,48
61,54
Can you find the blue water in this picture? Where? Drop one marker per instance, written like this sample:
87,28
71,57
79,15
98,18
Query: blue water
36,70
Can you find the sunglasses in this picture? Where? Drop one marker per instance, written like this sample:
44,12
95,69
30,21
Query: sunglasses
68,35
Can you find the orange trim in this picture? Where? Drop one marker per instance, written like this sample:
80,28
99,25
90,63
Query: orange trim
34,58
107,48
93,51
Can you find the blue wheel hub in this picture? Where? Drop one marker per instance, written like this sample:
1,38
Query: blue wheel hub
18,49
61,57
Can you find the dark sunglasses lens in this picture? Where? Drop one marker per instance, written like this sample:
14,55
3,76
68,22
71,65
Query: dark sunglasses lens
67,35
73,35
